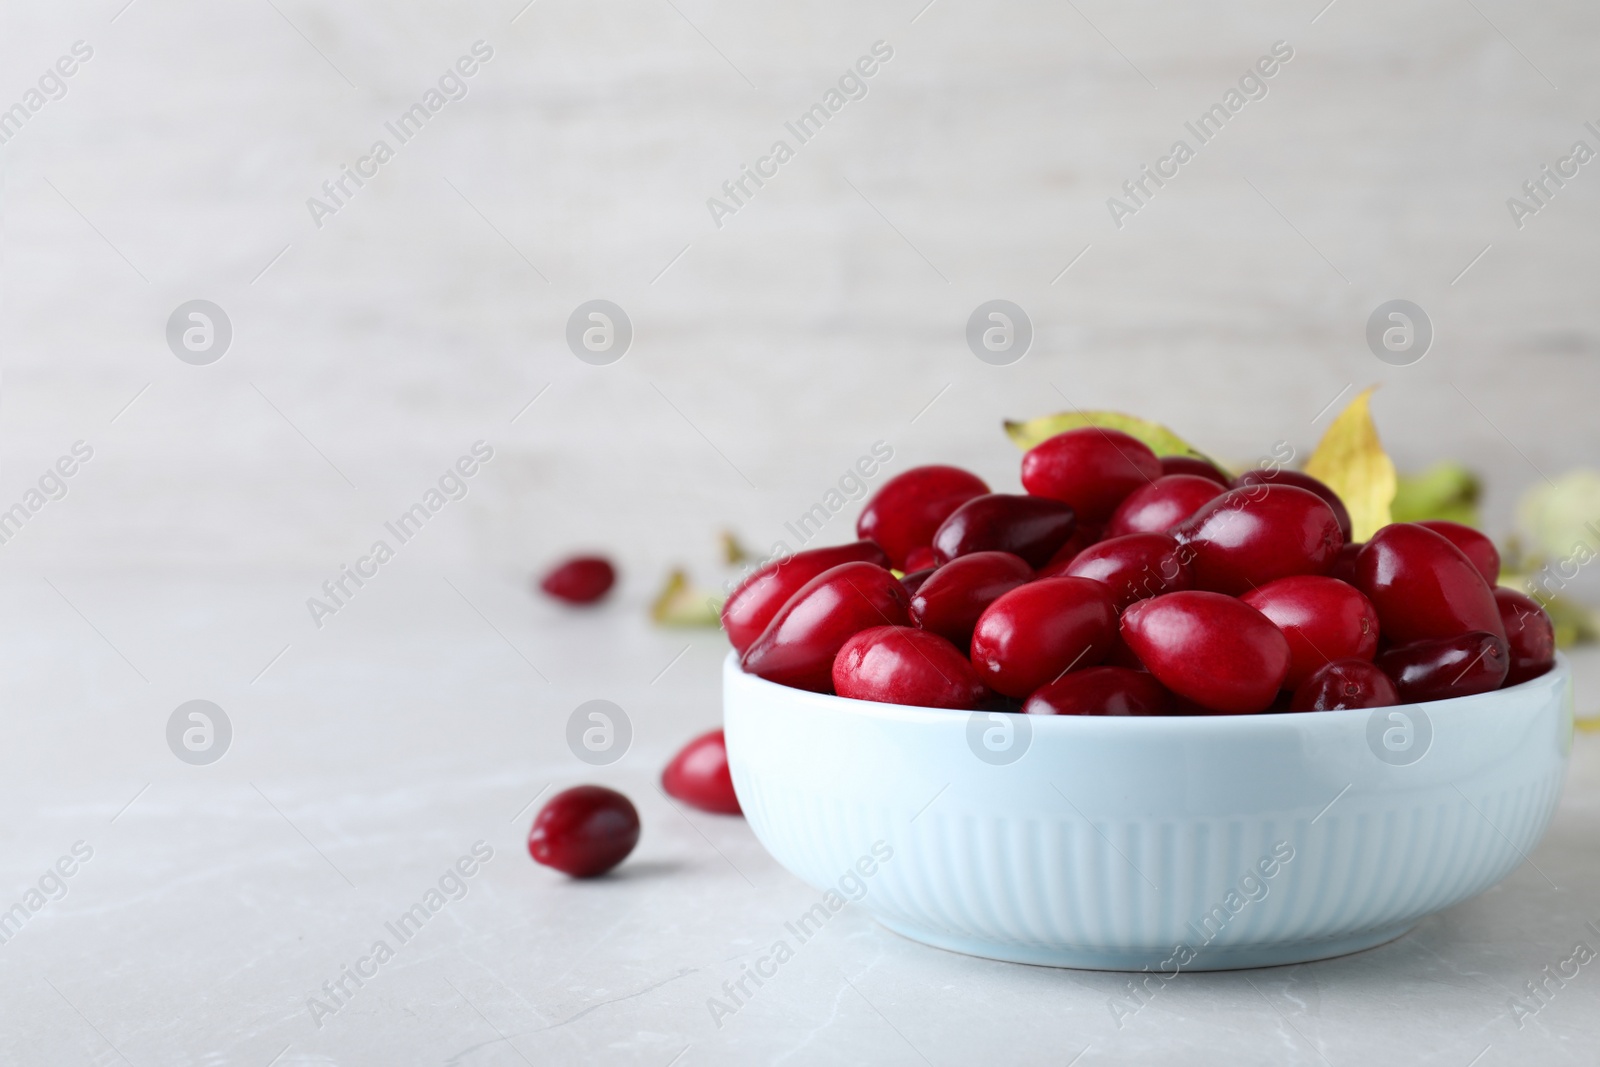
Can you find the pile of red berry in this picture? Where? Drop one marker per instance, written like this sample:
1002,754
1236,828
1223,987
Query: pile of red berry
1127,584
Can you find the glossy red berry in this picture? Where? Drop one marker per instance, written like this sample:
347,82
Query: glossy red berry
798,646
1091,468
698,775
1529,633
1100,691
1037,631
1443,667
903,514
1423,586
1134,566
1162,504
1255,534
584,831
1342,684
580,580
1324,619
950,602
1474,545
1027,526
759,597
1196,466
903,665
921,558
1212,649
1300,480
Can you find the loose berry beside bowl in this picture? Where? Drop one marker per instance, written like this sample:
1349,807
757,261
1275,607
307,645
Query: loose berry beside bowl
580,580
584,831
698,775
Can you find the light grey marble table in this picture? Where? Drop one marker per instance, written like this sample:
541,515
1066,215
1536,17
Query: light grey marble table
418,726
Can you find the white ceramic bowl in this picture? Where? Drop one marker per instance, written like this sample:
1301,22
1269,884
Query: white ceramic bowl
1192,843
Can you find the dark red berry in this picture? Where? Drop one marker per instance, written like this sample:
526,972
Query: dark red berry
903,665
1474,545
698,775
1134,566
1091,468
1443,667
1194,465
1323,618
1300,480
950,602
1038,631
798,646
1212,649
1027,526
903,514
1423,586
1255,534
1344,566
759,597
1162,504
1345,683
913,581
1100,691
580,580
1529,633
584,831
921,558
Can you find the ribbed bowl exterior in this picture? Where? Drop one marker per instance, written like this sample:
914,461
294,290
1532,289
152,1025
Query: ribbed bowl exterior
1200,843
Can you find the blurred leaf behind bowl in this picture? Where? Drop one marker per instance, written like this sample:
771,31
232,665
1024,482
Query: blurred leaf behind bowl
1446,490
1351,461
1159,439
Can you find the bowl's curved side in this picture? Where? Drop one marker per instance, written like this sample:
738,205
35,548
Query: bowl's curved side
1235,840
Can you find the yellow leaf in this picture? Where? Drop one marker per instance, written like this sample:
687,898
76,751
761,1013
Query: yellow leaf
681,604
733,553
1161,441
1352,462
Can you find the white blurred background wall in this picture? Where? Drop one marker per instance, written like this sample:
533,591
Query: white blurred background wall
825,315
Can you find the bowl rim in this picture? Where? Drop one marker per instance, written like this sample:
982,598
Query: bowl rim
1559,675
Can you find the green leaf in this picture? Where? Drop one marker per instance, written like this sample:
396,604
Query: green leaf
1161,441
1443,491
1351,461
681,604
